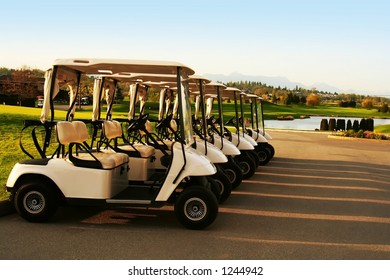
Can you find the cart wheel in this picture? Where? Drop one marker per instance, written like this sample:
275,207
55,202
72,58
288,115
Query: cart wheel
196,207
263,154
214,187
224,185
35,202
270,149
233,172
247,165
254,156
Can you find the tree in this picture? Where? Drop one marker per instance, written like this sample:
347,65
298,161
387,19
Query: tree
384,108
368,103
313,99
5,71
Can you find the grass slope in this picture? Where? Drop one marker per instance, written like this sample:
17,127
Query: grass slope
12,117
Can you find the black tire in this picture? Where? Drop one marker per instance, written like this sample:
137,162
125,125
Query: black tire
233,172
269,148
254,156
263,153
214,187
224,185
196,207
248,166
35,201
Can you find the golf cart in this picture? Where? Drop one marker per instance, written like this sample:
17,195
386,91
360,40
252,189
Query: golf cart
140,135
257,130
77,173
201,130
261,152
246,160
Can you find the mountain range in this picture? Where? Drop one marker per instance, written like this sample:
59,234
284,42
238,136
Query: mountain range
282,82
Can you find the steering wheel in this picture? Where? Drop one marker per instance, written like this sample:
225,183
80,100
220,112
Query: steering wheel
231,121
138,123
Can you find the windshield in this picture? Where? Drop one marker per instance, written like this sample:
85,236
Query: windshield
259,112
186,110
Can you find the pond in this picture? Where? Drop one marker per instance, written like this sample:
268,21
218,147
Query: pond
312,123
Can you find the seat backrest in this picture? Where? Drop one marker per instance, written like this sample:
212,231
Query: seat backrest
148,126
112,129
71,132
82,130
173,126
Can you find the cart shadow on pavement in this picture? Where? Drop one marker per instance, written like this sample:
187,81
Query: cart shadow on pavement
306,203
117,216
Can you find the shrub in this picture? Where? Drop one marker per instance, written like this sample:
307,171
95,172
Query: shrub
324,124
363,124
355,125
368,134
332,124
351,104
349,125
313,100
370,124
362,134
384,108
340,124
368,103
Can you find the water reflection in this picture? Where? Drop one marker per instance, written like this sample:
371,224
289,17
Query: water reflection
312,123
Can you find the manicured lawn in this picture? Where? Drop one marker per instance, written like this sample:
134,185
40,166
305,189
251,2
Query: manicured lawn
382,129
272,111
12,117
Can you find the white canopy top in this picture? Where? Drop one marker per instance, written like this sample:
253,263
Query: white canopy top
250,95
118,66
232,89
198,77
143,77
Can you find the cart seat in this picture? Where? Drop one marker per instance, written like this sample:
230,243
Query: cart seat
113,129
166,142
144,150
108,160
76,132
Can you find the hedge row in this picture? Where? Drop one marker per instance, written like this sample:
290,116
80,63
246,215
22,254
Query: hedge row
333,125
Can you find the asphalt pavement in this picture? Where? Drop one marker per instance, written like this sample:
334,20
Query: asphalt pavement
319,198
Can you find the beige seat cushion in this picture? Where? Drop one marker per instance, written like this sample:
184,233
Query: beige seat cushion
108,160
76,132
112,129
167,142
144,150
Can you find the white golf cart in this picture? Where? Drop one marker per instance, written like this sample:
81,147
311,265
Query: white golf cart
239,121
257,130
77,174
201,130
141,137
246,160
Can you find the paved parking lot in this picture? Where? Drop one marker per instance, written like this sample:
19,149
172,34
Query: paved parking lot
319,198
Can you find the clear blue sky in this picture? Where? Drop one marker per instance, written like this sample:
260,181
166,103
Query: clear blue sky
342,43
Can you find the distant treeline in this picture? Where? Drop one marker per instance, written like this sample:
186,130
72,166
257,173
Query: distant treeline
298,95
22,86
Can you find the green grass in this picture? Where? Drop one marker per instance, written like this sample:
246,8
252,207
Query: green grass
385,129
11,123
271,111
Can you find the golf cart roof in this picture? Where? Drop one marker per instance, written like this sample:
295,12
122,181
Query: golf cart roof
215,84
232,89
211,88
122,66
211,96
229,91
194,78
251,95
144,78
